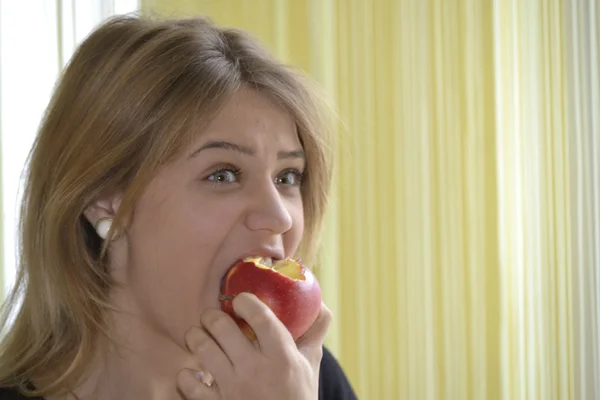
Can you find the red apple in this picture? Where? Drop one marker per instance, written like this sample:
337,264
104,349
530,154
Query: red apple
287,287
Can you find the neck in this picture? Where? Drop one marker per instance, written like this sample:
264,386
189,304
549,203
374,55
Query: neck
138,362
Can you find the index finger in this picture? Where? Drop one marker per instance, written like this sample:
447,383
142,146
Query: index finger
272,336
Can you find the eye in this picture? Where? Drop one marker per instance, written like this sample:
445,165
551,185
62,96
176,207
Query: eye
290,177
224,175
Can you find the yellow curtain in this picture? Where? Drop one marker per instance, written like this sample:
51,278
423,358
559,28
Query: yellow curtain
449,257
534,190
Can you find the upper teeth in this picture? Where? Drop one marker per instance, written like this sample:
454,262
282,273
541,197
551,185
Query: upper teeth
267,261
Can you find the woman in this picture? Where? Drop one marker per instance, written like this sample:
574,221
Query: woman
170,150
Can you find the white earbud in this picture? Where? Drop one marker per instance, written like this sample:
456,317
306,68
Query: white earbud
103,227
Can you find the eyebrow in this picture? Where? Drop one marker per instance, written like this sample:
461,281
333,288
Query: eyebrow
244,150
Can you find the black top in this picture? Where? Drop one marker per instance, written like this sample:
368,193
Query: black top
333,384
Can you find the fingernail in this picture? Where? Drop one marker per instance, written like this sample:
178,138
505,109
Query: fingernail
186,380
205,377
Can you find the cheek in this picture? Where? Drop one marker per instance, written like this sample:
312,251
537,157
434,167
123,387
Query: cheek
292,238
172,248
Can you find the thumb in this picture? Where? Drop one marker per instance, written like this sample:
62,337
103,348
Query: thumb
311,343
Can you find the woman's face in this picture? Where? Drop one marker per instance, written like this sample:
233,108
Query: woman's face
235,192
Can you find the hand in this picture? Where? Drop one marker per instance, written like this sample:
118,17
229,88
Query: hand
272,368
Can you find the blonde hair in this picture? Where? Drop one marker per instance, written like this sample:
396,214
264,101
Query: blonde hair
124,106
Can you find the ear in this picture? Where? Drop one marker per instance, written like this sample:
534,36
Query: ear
106,207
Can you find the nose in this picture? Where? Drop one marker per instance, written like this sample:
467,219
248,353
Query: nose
268,210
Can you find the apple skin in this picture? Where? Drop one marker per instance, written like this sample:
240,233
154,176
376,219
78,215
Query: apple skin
296,302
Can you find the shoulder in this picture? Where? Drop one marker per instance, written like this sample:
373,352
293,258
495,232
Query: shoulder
9,394
333,383
13,394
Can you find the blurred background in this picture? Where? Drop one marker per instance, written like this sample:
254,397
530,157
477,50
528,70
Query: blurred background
461,256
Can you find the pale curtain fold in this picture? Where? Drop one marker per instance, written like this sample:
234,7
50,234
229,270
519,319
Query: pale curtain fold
582,32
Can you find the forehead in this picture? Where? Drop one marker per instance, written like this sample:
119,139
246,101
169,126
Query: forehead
251,118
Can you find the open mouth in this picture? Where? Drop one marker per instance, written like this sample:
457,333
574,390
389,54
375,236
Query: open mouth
288,267
268,262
